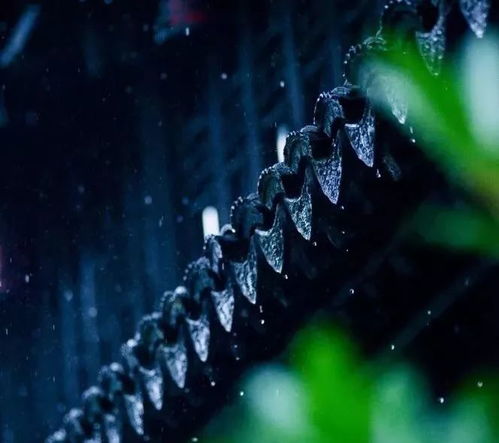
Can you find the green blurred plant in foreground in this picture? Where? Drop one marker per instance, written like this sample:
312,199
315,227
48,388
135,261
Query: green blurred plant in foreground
328,394
455,118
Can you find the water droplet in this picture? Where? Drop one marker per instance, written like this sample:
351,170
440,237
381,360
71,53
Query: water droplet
282,84
241,393
187,31
200,333
223,76
212,383
441,400
352,291
392,347
479,383
224,307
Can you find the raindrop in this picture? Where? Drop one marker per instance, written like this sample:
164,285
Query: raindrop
187,31
352,291
241,393
200,333
282,84
441,400
223,76
479,383
392,347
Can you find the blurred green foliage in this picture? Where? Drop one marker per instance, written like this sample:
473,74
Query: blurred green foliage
455,119
328,394
333,406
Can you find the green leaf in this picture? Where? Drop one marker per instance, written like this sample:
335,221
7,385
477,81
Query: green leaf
466,229
438,111
338,391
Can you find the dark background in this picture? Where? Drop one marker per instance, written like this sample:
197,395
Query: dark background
119,122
